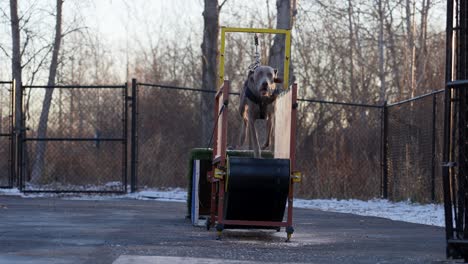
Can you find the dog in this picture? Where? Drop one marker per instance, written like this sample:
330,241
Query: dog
257,100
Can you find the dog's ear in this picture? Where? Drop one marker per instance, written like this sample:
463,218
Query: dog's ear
277,80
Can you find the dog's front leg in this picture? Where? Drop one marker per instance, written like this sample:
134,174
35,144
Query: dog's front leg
243,132
269,130
253,140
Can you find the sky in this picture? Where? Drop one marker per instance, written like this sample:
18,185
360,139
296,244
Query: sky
124,25
119,23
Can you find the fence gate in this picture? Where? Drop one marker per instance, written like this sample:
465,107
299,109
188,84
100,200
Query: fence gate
80,145
6,135
168,127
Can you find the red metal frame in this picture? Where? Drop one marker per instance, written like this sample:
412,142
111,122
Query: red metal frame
219,162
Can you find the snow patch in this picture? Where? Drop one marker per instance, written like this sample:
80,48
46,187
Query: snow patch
11,192
428,214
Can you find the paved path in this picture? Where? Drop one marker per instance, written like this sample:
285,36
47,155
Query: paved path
121,231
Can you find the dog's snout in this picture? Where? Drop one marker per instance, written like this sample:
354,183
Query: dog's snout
265,85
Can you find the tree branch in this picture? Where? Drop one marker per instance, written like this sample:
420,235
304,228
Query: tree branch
221,5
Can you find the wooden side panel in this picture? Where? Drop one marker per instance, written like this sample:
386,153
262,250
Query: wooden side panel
221,123
283,108
219,127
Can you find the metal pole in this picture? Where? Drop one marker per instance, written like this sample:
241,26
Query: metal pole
134,141
384,184
125,137
12,136
433,166
20,135
447,117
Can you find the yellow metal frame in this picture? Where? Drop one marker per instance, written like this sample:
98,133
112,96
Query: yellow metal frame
287,51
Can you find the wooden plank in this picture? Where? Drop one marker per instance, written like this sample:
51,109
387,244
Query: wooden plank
283,108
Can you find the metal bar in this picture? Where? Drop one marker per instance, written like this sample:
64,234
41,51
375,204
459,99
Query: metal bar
287,53
75,139
134,135
13,137
384,180
221,57
255,223
5,135
224,122
255,30
171,87
457,241
76,86
457,83
6,82
337,103
214,182
287,57
416,98
21,135
433,166
292,152
125,136
72,191
447,132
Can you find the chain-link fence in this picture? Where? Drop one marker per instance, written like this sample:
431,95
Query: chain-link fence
339,149
345,150
82,147
6,134
168,126
336,142
414,140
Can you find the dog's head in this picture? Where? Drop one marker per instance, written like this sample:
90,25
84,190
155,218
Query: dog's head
264,80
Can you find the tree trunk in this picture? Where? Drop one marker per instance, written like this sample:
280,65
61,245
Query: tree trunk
16,74
284,20
352,83
410,8
381,52
422,55
42,127
393,55
209,64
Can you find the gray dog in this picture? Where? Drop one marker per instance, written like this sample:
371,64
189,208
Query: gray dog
257,102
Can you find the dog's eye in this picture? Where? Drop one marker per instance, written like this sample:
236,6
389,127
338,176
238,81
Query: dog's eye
260,74
269,75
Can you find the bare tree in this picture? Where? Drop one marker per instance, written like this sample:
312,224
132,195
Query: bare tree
381,47
16,63
286,11
42,128
209,63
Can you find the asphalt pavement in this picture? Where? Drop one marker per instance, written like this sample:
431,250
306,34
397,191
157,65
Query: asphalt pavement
121,231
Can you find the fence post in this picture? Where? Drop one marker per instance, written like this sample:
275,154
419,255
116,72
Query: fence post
13,139
20,130
384,183
133,154
433,166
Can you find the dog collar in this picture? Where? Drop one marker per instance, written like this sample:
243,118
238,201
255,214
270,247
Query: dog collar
261,103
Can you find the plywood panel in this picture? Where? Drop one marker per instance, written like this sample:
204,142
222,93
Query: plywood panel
283,108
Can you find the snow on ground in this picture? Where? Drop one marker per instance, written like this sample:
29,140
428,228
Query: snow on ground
429,214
